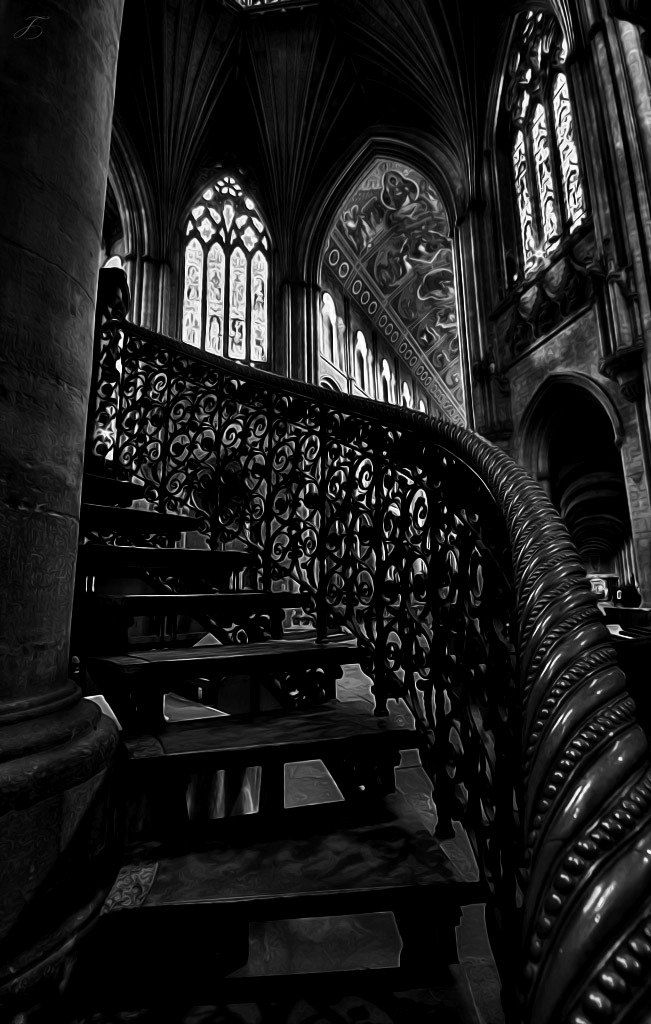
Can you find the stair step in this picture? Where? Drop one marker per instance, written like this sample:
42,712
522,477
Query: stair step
230,603
108,559
350,863
337,724
192,949
161,665
105,490
128,521
357,753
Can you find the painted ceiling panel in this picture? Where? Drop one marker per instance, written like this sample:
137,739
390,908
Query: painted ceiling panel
391,250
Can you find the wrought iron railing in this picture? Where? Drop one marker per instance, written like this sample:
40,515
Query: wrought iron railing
468,600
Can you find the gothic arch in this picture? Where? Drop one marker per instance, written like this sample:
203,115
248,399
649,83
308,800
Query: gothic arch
226,272
354,164
505,226
388,250
535,424
571,439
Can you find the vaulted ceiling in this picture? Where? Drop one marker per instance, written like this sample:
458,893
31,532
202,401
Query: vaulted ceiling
300,99
296,97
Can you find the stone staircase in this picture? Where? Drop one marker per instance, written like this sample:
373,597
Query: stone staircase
217,693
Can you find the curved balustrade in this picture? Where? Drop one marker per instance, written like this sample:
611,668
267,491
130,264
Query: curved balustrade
469,601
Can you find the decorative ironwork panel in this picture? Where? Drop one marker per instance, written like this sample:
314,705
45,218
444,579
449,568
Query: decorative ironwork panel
468,601
355,515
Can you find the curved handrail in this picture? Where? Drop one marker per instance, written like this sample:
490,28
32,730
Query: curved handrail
553,731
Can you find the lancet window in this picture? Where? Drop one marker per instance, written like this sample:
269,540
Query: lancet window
226,275
328,327
549,191
361,356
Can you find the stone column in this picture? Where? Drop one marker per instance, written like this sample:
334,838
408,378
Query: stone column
611,88
486,386
300,356
58,63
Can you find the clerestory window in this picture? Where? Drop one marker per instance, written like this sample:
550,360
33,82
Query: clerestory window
545,161
226,275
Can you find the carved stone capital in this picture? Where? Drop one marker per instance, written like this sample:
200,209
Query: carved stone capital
625,368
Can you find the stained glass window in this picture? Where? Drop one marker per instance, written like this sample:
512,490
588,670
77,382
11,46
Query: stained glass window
360,360
388,384
569,158
226,275
549,191
525,209
328,327
544,182
266,3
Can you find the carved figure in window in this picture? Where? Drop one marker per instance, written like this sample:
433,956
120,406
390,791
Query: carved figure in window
549,192
226,274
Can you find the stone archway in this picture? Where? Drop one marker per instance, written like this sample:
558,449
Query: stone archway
571,438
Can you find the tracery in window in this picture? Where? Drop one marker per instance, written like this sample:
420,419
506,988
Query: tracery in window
549,192
406,395
226,275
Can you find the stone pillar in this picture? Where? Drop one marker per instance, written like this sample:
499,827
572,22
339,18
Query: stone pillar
611,87
486,387
58,63
300,357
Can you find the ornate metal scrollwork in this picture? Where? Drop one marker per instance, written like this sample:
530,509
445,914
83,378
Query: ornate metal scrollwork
468,600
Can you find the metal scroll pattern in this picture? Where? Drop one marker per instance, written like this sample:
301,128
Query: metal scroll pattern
468,600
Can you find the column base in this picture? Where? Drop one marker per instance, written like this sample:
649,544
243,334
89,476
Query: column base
60,845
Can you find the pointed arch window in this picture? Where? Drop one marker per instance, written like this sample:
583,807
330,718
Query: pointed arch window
361,354
548,182
388,383
328,327
226,275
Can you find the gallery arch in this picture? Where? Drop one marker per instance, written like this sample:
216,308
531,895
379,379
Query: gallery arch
571,444
387,281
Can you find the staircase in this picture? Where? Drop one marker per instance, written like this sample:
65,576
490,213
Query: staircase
219,696
255,550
